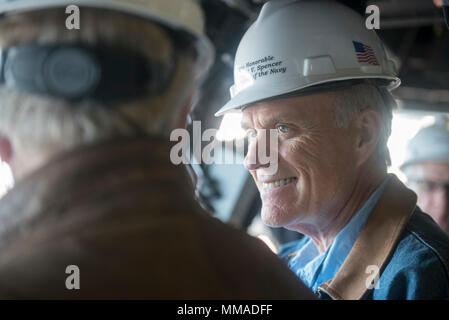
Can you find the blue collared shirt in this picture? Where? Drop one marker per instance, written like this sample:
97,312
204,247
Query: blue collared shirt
314,268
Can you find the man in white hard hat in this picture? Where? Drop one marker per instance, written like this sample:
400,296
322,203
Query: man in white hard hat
310,73
426,166
98,210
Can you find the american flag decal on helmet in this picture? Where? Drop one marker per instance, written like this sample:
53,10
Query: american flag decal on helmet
365,53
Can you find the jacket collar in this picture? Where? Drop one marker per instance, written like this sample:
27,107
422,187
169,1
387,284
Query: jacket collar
375,243
107,174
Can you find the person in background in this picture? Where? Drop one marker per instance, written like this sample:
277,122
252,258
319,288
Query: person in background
426,166
98,210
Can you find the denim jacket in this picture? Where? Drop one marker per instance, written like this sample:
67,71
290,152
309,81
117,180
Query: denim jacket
401,253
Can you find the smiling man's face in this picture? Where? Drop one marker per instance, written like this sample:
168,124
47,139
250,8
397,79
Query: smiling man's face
316,163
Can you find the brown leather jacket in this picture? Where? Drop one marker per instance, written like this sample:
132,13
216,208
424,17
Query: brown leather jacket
125,216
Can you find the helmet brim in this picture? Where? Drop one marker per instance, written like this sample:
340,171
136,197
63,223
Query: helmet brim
264,92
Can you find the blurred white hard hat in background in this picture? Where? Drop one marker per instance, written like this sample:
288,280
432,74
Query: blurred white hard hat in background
430,144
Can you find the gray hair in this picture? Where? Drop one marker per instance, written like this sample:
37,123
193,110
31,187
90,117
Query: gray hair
34,123
351,101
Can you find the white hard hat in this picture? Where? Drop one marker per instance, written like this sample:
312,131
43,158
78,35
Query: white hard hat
185,15
429,144
295,44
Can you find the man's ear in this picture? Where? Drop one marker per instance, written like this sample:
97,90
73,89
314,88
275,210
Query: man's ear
5,149
184,113
368,127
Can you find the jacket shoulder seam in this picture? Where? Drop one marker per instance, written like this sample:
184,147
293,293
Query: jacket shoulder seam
434,251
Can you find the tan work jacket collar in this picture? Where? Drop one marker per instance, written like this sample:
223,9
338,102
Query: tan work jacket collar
375,244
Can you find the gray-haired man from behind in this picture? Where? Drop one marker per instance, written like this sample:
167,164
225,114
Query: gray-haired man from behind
85,120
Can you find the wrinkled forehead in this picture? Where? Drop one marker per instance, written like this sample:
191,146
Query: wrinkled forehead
314,108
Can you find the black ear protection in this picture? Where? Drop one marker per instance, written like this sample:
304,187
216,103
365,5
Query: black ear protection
77,72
